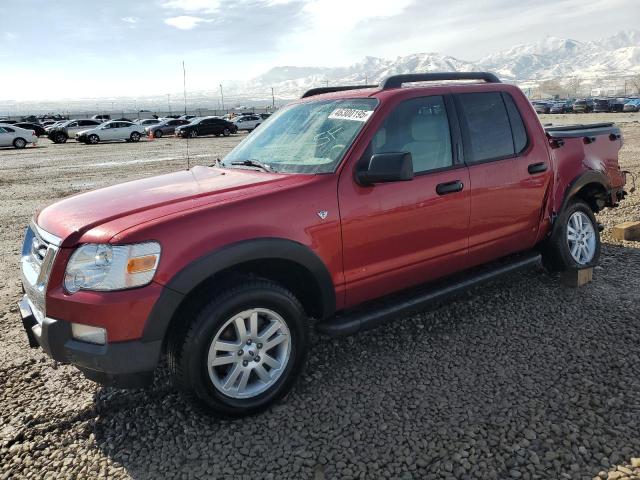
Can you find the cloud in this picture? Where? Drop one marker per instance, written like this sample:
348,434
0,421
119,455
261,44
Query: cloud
131,20
184,22
192,6
10,36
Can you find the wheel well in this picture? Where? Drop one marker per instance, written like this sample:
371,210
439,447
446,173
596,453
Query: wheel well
291,275
594,194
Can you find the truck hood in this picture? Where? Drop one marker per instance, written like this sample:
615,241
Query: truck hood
131,203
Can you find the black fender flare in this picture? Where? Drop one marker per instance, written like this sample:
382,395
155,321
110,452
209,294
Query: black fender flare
585,178
580,181
226,257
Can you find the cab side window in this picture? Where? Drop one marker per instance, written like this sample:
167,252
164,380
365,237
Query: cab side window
419,126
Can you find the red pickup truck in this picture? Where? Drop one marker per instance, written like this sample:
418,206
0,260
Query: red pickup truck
339,199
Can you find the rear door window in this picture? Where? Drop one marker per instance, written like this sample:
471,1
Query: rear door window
486,127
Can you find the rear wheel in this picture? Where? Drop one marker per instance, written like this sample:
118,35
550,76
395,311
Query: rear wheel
93,139
575,242
19,142
226,132
243,350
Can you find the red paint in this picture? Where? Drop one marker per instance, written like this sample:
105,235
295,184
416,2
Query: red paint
374,241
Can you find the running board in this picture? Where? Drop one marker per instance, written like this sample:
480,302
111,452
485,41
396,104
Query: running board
364,318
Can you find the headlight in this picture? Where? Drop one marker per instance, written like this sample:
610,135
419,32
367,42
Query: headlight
111,267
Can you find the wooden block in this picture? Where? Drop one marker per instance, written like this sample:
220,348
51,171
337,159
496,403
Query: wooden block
626,231
577,278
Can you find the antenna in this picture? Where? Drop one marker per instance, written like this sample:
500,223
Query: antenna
184,86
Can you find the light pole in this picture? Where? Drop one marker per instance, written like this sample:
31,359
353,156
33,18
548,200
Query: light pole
169,102
273,99
221,97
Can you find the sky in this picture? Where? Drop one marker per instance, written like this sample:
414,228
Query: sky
86,49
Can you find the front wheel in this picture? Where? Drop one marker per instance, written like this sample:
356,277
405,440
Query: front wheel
193,134
157,133
60,138
135,137
243,350
575,242
226,132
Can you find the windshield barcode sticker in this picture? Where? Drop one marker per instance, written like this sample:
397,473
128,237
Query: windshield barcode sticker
351,114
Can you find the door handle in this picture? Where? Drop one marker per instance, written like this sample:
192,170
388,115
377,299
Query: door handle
449,187
537,168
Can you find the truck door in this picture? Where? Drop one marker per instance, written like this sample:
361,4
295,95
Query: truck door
400,234
509,174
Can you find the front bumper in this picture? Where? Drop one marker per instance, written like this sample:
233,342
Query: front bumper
127,364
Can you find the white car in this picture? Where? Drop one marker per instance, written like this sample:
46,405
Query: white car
248,122
62,132
112,130
11,135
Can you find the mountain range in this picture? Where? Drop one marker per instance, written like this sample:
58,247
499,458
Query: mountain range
613,57
597,63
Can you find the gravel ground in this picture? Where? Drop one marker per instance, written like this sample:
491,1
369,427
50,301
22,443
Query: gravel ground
522,378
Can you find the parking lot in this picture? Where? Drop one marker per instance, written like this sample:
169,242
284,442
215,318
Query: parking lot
521,378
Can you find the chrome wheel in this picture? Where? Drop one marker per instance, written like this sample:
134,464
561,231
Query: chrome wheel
581,238
249,353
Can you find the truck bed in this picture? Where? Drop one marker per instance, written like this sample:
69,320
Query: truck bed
581,130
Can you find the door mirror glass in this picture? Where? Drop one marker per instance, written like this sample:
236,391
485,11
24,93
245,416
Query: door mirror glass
387,167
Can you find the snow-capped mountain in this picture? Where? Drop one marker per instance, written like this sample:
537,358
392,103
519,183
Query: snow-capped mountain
549,58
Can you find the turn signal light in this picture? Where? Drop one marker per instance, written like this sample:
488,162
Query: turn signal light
141,264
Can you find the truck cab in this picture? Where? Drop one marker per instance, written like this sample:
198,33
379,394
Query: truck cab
342,198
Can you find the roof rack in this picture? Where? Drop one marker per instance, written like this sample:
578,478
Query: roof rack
396,81
321,90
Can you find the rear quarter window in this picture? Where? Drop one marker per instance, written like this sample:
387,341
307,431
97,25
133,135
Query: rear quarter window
518,130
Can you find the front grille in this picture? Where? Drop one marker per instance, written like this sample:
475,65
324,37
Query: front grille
38,253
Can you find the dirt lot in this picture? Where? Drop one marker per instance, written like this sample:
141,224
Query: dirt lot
524,378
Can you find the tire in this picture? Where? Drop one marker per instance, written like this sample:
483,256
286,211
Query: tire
158,133
60,138
226,132
559,252
93,139
134,137
193,134
190,352
19,143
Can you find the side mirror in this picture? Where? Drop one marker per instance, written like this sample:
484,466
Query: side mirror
387,167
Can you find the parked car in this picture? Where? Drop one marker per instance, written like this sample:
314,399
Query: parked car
10,135
68,129
264,116
583,106
147,122
337,201
102,118
38,129
248,122
187,117
558,107
617,104
111,130
48,123
166,127
206,126
602,105
632,105
6,121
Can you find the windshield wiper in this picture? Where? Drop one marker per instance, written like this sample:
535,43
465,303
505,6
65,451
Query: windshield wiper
253,163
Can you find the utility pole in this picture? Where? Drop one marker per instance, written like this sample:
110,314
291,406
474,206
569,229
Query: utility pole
169,102
184,87
366,79
221,97
327,82
273,99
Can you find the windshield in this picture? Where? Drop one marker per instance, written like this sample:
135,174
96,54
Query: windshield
306,137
